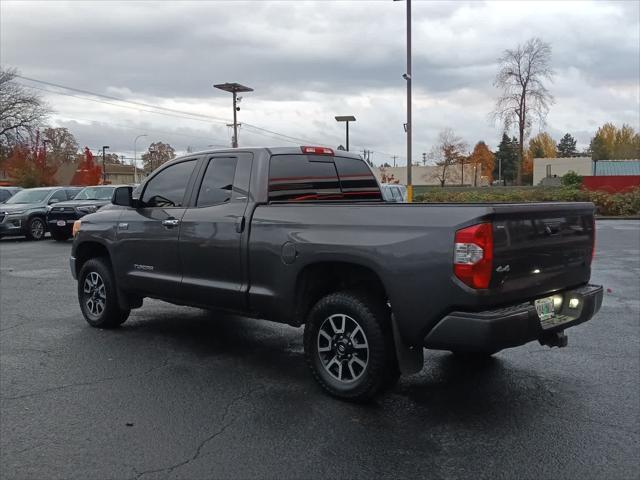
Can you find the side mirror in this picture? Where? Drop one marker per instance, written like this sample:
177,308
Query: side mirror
122,196
54,200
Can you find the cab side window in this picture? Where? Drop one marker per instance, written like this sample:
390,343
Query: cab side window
168,187
217,183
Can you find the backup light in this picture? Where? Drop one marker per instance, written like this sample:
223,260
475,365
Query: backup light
473,255
557,302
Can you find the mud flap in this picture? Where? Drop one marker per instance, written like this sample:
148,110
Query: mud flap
410,359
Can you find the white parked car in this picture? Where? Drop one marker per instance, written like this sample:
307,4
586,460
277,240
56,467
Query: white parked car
393,192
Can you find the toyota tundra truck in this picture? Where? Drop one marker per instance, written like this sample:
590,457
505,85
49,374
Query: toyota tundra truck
301,235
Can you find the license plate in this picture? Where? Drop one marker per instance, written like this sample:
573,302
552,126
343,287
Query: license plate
544,307
61,223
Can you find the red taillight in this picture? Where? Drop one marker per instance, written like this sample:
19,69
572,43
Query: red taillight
473,255
317,150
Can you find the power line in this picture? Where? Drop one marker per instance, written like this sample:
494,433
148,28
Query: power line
280,136
66,94
170,112
129,127
174,112
109,97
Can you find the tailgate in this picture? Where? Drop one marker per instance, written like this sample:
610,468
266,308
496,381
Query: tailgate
539,248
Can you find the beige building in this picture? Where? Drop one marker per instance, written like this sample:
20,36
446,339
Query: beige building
557,167
117,174
430,175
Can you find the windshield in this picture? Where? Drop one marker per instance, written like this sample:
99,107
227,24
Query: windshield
95,193
30,196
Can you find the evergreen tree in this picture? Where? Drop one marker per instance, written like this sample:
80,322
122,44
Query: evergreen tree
506,159
567,146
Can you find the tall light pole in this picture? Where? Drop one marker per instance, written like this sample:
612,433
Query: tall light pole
234,88
407,77
104,172
135,158
44,157
346,119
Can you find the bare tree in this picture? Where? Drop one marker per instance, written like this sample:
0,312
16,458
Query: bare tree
521,76
447,153
21,111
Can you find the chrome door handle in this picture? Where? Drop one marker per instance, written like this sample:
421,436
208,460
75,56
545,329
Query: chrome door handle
171,222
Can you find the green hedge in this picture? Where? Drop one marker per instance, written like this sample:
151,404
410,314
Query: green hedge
616,204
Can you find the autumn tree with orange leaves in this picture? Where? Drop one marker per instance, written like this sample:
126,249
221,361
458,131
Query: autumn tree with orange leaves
484,160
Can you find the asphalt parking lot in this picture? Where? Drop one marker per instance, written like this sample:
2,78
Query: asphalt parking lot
182,393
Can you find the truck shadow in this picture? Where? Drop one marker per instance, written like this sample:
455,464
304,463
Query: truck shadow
494,390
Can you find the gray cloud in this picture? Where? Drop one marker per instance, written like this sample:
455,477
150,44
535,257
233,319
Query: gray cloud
310,60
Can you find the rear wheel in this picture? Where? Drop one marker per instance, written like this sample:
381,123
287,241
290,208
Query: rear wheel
97,295
349,346
35,228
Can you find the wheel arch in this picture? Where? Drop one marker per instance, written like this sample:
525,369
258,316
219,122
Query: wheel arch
88,250
318,279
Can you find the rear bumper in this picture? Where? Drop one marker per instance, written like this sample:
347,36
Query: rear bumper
494,330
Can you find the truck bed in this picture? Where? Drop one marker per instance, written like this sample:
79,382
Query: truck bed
546,246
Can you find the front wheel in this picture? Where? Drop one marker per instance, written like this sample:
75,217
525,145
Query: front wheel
348,345
97,295
35,228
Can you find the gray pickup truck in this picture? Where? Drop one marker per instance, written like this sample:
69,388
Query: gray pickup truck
302,236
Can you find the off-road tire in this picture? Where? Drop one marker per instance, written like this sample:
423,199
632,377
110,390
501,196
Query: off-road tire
36,228
111,315
381,371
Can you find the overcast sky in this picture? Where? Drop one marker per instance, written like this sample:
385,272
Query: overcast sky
310,61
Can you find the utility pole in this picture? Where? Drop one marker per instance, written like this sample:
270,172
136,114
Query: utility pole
235,132
394,159
424,158
104,172
234,88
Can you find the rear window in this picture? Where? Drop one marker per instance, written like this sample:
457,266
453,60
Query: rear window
356,180
296,178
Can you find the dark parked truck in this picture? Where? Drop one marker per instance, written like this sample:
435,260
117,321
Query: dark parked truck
302,236
62,215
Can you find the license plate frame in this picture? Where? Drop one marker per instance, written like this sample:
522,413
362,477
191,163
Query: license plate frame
544,308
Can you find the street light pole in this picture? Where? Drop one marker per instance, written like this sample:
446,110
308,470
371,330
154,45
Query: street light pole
234,88
409,116
346,119
408,126
135,158
104,172
44,157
